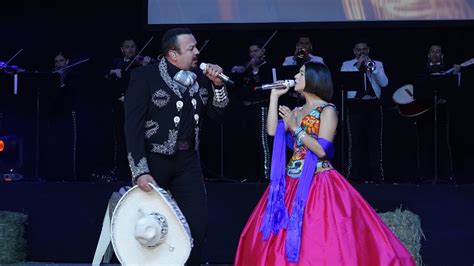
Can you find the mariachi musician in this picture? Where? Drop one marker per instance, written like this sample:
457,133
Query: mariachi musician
303,50
61,127
121,67
118,76
256,72
435,126
432,120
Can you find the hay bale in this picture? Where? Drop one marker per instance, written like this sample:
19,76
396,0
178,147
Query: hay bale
407,227
12,241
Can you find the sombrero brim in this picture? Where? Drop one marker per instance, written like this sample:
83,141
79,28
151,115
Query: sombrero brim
177,246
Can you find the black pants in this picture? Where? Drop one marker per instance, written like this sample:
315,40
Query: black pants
181,174
425,127
121,168
364,130
58,151
256,139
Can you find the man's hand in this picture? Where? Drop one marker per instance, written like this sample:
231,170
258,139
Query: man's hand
212,72
238,69
143,181
117,72
361,61
457,68
258,58
145,61
297,51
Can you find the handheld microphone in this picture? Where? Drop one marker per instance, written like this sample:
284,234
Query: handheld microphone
224,78
280,84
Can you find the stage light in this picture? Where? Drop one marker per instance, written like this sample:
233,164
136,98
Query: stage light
11,157
8,145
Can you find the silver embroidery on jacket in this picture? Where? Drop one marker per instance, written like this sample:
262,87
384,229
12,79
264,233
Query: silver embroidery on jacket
196,138
220,98
160,98
139,168
168,146
204,94
167,79
151,127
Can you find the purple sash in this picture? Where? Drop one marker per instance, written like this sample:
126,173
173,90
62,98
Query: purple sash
276,215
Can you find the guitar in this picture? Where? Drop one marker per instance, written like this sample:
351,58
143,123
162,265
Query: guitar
409,106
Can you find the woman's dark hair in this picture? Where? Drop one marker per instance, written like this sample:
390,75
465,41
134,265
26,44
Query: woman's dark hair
61,53
318,80
169,40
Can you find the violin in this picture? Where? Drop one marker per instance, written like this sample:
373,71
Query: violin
141,59
134,60
252,60
10,69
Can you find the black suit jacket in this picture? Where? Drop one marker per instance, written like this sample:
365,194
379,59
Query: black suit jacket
153,115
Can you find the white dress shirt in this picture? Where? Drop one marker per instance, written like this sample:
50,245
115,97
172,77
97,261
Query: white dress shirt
377,78
290,60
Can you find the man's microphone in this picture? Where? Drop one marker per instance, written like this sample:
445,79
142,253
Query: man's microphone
281,84
225,78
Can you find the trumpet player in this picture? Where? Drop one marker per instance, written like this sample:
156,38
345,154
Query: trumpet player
364,117
302,54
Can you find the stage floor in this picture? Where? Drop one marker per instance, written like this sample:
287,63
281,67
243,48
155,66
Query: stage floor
65,219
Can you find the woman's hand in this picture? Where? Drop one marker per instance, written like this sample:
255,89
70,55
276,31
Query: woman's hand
288,116
279,92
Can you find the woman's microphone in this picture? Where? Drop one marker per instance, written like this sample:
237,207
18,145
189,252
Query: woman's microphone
280,84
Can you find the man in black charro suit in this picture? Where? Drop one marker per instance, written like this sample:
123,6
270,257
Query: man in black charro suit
164,107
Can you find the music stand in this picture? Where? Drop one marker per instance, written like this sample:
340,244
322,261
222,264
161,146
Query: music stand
353,81
433,86
292,98
33,90
287,72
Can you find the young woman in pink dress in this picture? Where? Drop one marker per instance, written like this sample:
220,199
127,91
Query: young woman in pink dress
310,214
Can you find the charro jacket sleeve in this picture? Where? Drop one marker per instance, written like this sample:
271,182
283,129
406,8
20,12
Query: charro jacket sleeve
136,108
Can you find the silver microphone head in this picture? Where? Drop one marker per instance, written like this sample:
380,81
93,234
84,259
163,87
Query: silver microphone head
203,66
289,83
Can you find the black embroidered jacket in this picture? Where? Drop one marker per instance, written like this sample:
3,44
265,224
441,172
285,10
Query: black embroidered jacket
153,111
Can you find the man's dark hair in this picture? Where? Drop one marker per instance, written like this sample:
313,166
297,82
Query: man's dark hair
169,40
303,37
359,41
61,53
436,44
258,42
127,38
318,80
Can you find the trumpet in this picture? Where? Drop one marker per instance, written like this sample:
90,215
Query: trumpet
301,53
370,65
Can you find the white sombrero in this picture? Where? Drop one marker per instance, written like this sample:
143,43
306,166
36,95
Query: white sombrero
149,228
